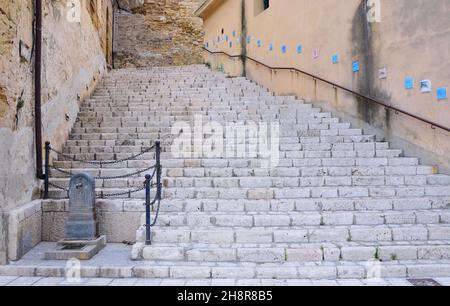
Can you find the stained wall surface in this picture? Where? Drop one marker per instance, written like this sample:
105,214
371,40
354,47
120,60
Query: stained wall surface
411,40
75,54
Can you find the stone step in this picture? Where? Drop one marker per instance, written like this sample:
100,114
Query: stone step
186,105
219,118
326,186
311,124
299,252
186,93
200,104
302,218
326,142
341,146
359,175
252,272
362,205
163,103
266,193
358,206
300,234
349,149
241,121
150,137
312,159
192,90
310,156
191,97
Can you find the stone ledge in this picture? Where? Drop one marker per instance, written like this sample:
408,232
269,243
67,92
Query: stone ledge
24,229
49,206
44,220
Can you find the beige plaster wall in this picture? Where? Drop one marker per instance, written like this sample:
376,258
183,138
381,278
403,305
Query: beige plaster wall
412,39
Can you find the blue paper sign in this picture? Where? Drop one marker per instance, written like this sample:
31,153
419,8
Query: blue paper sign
226,37
409,83
299,49
284,49
442,93
218,38
355,66
271,47
335,59
234,33
237,40
207,45
259,43
248,39
231,44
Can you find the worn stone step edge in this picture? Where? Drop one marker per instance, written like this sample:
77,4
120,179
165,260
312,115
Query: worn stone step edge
158,270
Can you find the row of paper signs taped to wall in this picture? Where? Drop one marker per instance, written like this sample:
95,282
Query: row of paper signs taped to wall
425,85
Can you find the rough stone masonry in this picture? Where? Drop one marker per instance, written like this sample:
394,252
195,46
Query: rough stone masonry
74,58
157,33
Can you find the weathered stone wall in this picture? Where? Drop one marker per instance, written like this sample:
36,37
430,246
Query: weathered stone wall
158,33
74,57
75,54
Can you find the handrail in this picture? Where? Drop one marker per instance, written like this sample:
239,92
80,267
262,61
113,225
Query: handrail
157,171
433,124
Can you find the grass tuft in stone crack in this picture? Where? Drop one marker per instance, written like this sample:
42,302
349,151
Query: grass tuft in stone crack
376,256
19,106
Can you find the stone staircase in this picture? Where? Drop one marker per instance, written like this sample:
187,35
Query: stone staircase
339,205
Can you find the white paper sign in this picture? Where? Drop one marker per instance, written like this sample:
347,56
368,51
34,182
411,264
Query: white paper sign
425,86
382,73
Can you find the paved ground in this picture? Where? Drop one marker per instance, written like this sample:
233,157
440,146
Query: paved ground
118,255
56,281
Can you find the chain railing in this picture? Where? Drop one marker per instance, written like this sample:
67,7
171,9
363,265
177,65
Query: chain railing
147,184
68,173
157,199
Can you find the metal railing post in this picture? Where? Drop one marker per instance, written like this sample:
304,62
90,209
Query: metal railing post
158,170
148,204
47,169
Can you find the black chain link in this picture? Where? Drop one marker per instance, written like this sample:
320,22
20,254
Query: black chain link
58,187
69,173
95,162
103,196
129,193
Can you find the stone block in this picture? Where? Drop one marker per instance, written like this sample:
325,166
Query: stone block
261,255
290,236
358,253
410,234
304,254
277,273
233,272
211,255
254,236
217,237
197,272
24,229
163,253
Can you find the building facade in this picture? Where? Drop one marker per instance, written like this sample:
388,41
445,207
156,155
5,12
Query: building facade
388,50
